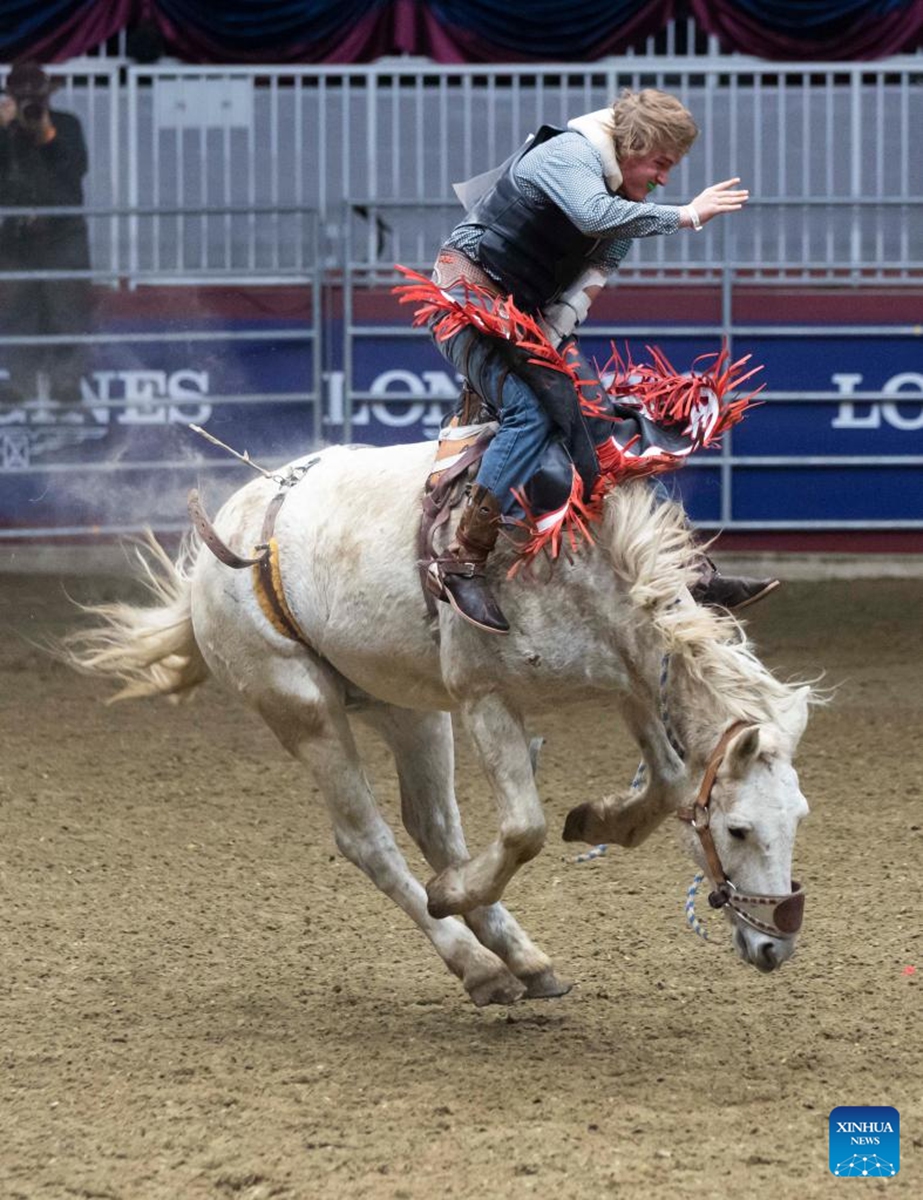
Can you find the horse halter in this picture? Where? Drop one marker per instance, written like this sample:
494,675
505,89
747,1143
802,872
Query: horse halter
777,916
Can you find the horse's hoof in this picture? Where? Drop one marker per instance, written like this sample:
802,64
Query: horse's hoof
575,824
545,985
497,989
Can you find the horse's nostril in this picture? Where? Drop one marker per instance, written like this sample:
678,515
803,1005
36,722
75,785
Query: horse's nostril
767,958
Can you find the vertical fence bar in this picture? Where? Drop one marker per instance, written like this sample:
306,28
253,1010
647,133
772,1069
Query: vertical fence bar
274,222
345,132
179,143
203,195
298,167
781,160
132,188
396,147
317,345
373,92
727,334
444,134
880,172
322,158
348,340
830,176
855,157
757,168
905,167
227,221
117,172
491,98
419,111
807,163
251,177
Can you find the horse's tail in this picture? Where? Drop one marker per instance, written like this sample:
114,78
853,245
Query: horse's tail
150,649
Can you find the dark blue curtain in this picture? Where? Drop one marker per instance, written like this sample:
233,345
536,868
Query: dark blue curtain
456,30
54,30
549,29
813,29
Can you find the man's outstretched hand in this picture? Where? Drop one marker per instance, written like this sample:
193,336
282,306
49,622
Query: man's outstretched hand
720,198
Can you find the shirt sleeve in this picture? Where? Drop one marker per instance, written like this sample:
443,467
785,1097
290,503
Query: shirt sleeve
609,254
567,171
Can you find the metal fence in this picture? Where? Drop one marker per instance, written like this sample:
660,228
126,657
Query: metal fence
833,146
322,178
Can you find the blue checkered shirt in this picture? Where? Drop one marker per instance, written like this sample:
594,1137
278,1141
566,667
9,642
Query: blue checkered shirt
568,172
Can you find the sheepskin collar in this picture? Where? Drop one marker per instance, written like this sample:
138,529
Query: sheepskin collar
596,127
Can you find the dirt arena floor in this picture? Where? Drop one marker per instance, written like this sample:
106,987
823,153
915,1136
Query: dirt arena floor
200,999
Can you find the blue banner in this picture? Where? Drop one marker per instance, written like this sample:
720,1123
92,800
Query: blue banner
108,466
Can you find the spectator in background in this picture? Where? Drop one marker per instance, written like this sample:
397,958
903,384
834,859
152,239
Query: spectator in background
43,160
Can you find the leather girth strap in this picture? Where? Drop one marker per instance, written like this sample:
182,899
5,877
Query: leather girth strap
266,576
206,531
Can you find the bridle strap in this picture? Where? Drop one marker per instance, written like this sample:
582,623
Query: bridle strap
703,799
698,815
787,911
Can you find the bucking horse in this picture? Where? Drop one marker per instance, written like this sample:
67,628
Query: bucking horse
325,623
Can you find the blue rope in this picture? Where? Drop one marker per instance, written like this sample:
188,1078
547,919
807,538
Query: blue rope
595,852
693,921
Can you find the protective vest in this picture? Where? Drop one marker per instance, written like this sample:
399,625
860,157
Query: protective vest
534,250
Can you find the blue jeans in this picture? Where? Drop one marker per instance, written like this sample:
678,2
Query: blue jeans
525,430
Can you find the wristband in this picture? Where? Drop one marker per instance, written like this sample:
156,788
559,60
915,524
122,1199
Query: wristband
694,218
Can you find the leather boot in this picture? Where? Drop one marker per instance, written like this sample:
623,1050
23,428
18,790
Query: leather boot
459,575
728,591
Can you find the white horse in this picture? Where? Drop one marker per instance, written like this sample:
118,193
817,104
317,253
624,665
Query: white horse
604,621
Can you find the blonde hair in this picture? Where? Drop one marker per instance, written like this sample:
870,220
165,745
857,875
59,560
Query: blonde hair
650,120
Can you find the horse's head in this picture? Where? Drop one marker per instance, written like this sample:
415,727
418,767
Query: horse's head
741,829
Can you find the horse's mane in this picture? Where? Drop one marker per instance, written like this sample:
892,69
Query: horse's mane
656,553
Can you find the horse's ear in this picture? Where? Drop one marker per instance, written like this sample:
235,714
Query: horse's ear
742,752
796,715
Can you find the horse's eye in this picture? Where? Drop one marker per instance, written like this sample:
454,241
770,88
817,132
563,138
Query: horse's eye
740,834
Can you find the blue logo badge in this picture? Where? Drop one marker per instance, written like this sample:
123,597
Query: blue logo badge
865,1142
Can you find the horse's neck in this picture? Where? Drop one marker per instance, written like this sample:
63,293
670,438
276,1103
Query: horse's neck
693,718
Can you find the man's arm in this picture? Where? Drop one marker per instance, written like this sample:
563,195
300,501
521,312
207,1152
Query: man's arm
570,309
567,171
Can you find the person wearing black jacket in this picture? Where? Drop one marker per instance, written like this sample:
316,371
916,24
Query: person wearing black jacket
548,229
43,160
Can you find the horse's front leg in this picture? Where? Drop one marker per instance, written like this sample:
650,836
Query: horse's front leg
503,748
424,753
628,820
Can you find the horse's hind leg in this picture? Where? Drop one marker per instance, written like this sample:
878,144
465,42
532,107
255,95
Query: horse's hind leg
423,749
311,723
